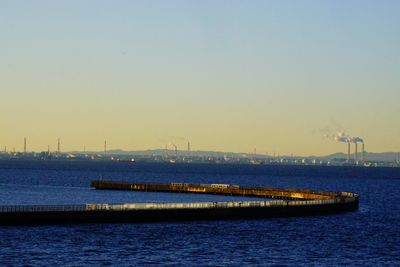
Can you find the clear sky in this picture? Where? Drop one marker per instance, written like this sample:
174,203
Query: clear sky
227,75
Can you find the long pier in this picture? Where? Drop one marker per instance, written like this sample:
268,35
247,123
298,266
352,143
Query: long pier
286,202
219,189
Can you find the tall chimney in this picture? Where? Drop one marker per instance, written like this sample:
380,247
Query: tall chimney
24,145
356,152
58,146
363,152
105,148
188,148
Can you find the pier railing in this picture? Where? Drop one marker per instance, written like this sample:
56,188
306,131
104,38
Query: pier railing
149,206
207,205
41,208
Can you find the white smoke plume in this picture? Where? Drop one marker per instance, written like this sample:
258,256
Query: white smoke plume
357,140
336,132
342,137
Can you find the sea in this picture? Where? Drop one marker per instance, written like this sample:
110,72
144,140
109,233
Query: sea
367,237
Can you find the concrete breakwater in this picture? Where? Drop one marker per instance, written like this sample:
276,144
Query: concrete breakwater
222,189
290,202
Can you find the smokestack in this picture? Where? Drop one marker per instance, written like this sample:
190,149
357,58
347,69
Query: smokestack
58,146
105,147
24,145
363,152
188,148
176,152
356,152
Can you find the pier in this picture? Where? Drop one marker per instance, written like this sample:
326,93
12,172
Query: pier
219,189
284,203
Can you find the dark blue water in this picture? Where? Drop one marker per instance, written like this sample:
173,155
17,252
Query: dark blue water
369,236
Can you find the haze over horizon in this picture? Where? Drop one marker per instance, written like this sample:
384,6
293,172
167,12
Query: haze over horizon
227,75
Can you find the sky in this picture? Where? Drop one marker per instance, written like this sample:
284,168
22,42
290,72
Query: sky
226,75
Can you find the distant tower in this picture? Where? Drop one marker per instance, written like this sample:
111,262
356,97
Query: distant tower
363,152
356,152
105,148
48,149
24,145
58,146
188,148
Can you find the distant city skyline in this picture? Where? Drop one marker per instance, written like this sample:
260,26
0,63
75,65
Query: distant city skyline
283,77
351,150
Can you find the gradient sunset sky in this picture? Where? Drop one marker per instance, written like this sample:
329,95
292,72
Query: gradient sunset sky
227,75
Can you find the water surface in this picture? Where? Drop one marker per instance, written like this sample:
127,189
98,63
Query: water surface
369,236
